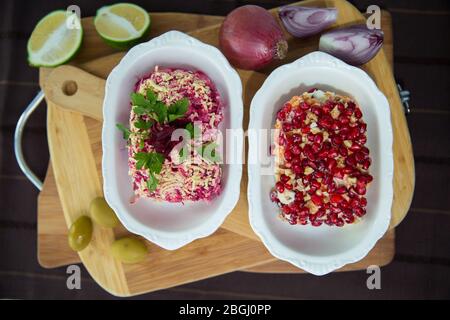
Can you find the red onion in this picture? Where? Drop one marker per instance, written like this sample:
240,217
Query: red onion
251,38
355,45
305,21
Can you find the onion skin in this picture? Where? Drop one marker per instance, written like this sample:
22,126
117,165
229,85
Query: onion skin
356,45
251,38
305,21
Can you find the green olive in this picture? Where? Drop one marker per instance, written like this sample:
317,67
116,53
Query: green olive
103,214
80,233
129,250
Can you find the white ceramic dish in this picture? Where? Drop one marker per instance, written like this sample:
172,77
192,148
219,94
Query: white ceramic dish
320,250
168,225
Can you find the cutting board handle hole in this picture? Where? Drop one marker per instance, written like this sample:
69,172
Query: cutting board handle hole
69,87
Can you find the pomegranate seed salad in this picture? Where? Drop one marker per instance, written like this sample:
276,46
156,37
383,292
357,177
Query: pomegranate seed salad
321,161
164,101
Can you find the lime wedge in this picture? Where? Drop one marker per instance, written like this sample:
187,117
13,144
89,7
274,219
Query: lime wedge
55,39
122,25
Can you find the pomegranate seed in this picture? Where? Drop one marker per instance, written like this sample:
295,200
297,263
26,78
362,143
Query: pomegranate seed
360,190
336,125
336,198
326,121
297,169
341,190
315,147
288,186
288,155
340,107
331,164
327,107
359,211
350,160
303,222
354,133
343,120
365,151
363,201
315,184
303,212
347,170
362,128
312,217
296,150
349,219
320,213
296,138
338,173
318,138
360,157
323,153
343,151
354,203
355,146
366,164
358,113
317,111
287,127
286,209
274,196
284,178
297,121
304,106
333,153
316,223
339,222
312,90
305,130
362,139
280,187
317,200
336,140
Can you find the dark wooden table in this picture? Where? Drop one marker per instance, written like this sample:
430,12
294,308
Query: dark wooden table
422,263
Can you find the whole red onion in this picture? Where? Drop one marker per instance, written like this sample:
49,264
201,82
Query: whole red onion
251,38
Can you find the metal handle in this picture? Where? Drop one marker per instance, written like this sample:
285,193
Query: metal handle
404,97
18,140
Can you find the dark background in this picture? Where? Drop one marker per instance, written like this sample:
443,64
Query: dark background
421,268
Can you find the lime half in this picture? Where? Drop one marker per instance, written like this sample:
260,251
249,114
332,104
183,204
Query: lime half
55,39
122,25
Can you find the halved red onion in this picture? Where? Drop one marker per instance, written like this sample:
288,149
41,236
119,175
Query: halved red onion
355,45
304,21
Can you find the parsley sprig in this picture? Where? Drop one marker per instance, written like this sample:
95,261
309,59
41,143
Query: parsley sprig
157,110
153,161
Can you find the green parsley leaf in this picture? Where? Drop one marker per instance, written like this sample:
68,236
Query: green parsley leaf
139,110
179,107
173,117
152,182
156,161
139,100
149,160
160,109
151,96
126,132
143,125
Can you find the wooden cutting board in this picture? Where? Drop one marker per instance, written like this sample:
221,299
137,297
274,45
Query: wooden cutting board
52,232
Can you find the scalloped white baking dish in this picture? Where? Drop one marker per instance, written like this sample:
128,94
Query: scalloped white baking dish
320,250
169,225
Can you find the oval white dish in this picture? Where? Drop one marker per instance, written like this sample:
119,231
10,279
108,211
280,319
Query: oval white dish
320,250
169,225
